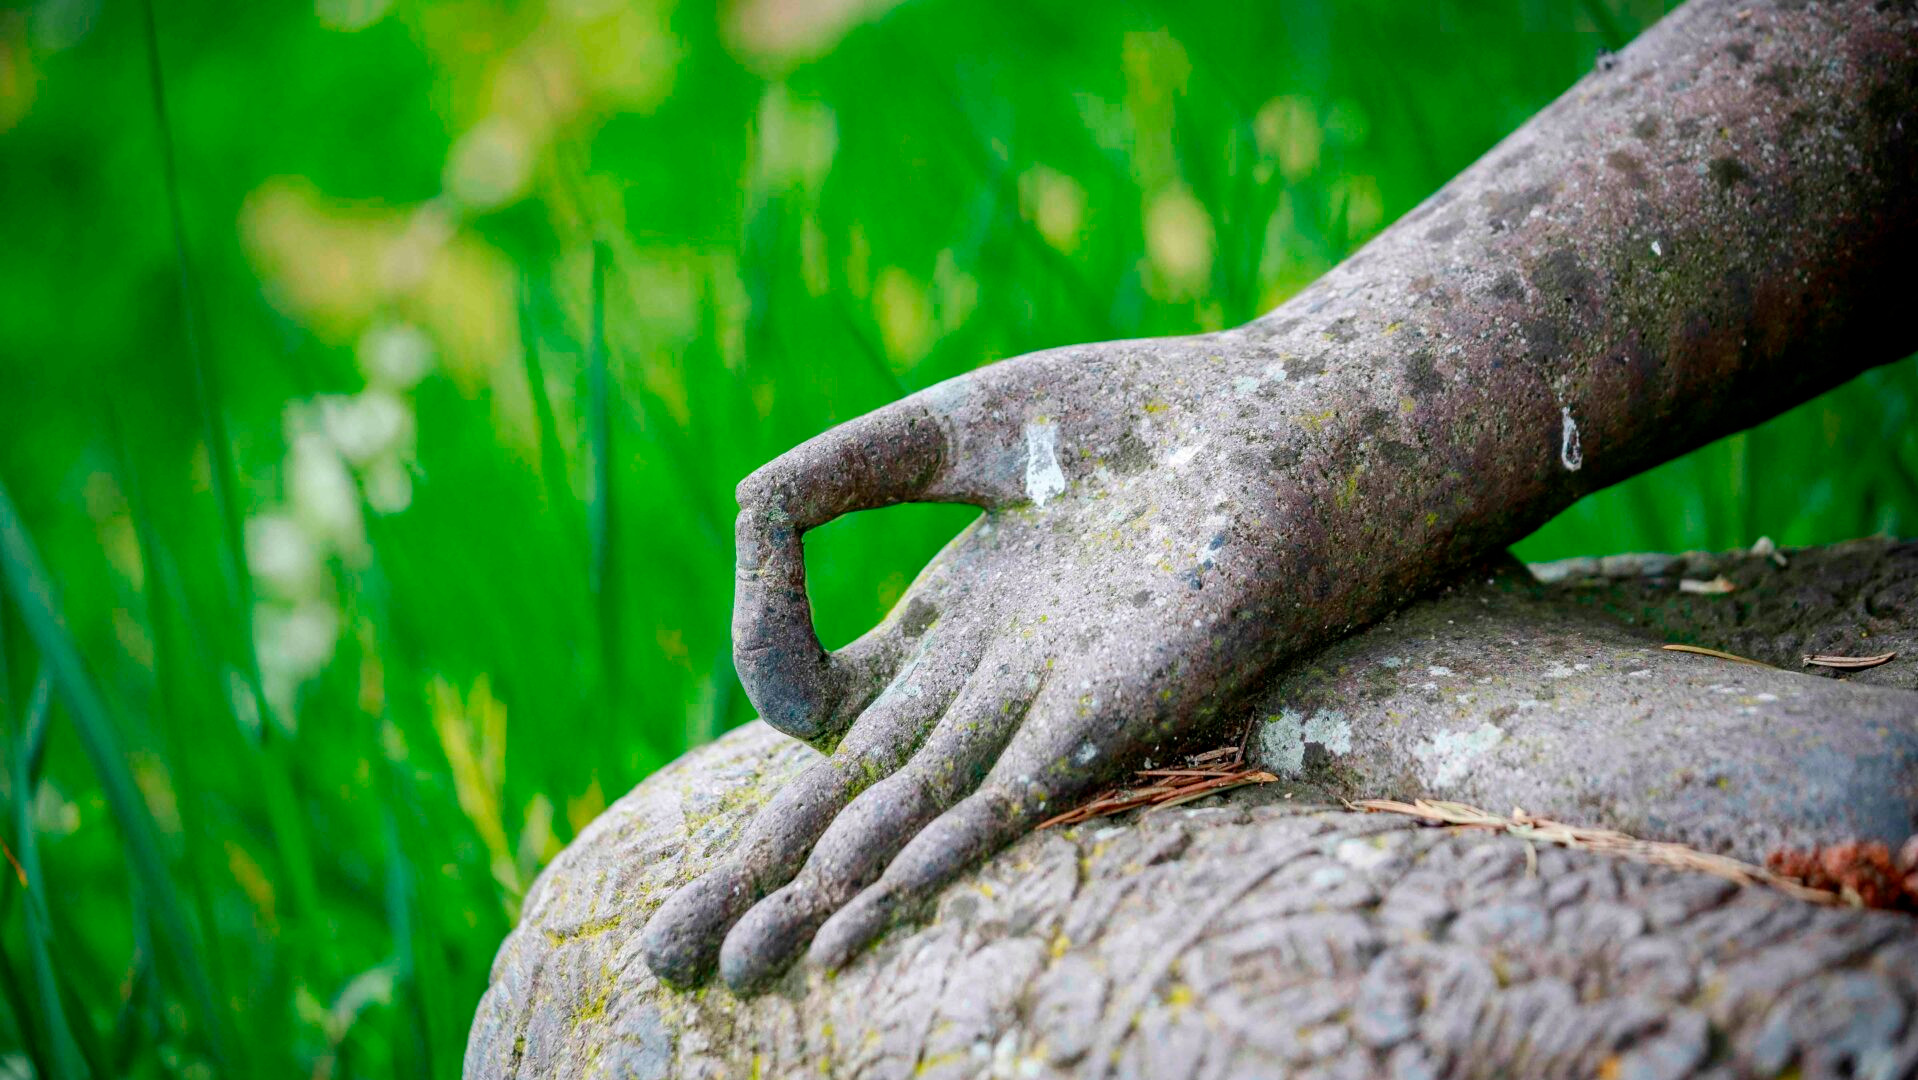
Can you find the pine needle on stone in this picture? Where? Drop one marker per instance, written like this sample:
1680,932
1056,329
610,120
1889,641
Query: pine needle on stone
1609,841
1848,663
1203,774
1700,650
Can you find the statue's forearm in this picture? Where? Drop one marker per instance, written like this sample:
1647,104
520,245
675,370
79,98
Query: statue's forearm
1714,225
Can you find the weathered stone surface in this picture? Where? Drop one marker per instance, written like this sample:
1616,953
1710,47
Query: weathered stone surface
1500,693
1262,934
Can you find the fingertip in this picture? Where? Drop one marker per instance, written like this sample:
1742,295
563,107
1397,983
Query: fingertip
851,929
769,937
682,939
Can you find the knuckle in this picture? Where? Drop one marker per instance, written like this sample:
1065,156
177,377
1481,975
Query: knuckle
767,487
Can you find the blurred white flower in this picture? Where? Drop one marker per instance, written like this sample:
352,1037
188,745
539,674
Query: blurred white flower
281,556
293,645
388,484
396,355
367,425
245,706
350,14
490,165
53,814
409,259
323,496
770,34
797,139
296,641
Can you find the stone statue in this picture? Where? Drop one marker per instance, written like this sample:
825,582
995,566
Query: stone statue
1707,229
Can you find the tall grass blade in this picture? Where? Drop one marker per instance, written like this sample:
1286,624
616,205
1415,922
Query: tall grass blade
129,1031
63,1050
183,744
552,459
290,832
600,523
23,1016
32,590
224,476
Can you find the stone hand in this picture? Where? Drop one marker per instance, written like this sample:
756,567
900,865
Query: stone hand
1116,583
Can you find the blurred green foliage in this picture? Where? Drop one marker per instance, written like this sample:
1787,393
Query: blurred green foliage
369,529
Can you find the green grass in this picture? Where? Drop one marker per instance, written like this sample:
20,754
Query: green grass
309,661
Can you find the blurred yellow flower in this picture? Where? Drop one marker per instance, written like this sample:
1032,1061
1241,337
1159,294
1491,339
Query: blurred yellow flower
628,59
1055,204
1364,208
904,313
1287,130
1156,71
1179,239
955,292
319,260
18,76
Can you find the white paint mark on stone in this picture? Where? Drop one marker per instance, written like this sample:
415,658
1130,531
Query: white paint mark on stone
1449,755
1438,670
1044,477
1656,250
1182,456
1570,453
